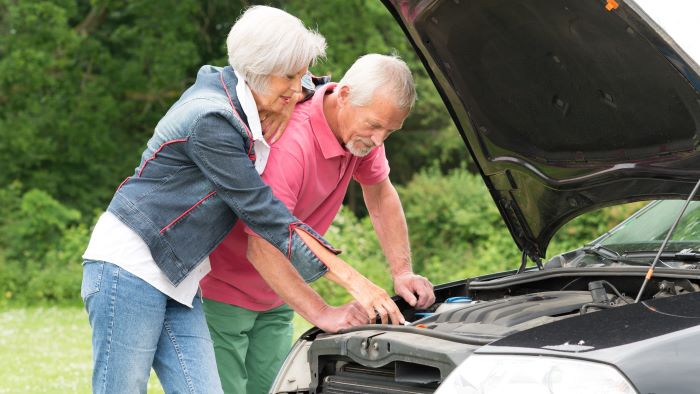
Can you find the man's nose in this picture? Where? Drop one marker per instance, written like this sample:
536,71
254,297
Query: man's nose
378,138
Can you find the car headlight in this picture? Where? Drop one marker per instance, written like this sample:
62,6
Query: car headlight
500,374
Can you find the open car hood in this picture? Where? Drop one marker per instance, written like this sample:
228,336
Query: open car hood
565,105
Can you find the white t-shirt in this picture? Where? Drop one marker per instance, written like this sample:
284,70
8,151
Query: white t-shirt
114,242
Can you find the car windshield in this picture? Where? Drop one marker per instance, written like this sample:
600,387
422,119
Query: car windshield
646,230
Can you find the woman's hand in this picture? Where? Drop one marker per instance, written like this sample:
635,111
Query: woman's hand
373,299
274,123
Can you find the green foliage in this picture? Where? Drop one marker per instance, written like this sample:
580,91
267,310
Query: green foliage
372,29
356,238
455,228
589,226
83,83
41,242
455,231
38,218
59,278
689,226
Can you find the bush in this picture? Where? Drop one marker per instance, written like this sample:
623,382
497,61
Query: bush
589,226
42,241
455,230
454,227
356,238
61,274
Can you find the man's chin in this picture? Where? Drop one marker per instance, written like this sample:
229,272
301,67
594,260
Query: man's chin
358,152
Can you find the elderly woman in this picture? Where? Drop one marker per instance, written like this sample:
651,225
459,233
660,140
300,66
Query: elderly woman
197,177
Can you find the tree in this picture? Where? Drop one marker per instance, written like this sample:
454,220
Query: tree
83,83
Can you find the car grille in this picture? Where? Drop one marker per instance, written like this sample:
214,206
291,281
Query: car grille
355,378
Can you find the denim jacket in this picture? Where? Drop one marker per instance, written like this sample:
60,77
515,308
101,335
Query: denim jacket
197,177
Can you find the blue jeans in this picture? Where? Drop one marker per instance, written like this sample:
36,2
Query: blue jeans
136,327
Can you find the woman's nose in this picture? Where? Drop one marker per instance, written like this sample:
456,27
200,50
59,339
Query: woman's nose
296,85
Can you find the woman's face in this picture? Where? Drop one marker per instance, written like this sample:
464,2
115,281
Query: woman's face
280,90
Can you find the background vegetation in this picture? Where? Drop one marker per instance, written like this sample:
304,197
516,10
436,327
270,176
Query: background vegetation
82,84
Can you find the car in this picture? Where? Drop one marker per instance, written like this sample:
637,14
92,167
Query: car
566,106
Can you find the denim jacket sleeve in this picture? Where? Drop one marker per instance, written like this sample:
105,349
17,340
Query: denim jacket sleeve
219,150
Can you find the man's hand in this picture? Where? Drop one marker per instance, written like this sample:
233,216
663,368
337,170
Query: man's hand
333,319
415,289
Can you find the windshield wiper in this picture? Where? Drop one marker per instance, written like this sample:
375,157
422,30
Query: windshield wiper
687,255
602,251
609,254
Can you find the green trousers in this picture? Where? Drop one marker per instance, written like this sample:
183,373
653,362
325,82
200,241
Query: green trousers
249,346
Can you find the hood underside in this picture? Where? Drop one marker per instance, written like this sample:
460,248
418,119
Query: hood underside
565,106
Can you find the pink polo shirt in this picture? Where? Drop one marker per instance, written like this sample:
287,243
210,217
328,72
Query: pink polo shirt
309,171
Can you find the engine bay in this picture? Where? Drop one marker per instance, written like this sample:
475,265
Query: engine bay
469,314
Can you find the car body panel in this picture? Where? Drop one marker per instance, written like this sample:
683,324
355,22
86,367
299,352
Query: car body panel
653,343
622,325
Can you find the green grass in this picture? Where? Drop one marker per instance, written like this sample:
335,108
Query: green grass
47,350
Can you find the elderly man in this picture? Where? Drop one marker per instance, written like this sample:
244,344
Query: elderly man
334,137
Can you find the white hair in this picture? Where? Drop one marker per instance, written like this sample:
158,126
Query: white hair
373,71
267,41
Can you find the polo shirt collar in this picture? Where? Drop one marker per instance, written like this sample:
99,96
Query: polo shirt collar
330,147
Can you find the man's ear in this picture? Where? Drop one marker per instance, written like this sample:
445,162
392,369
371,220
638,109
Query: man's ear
344,95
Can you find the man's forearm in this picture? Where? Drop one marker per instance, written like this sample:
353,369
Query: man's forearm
281,276
286,282
389,223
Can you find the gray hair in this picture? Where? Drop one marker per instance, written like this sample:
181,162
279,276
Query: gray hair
267,41
373,71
